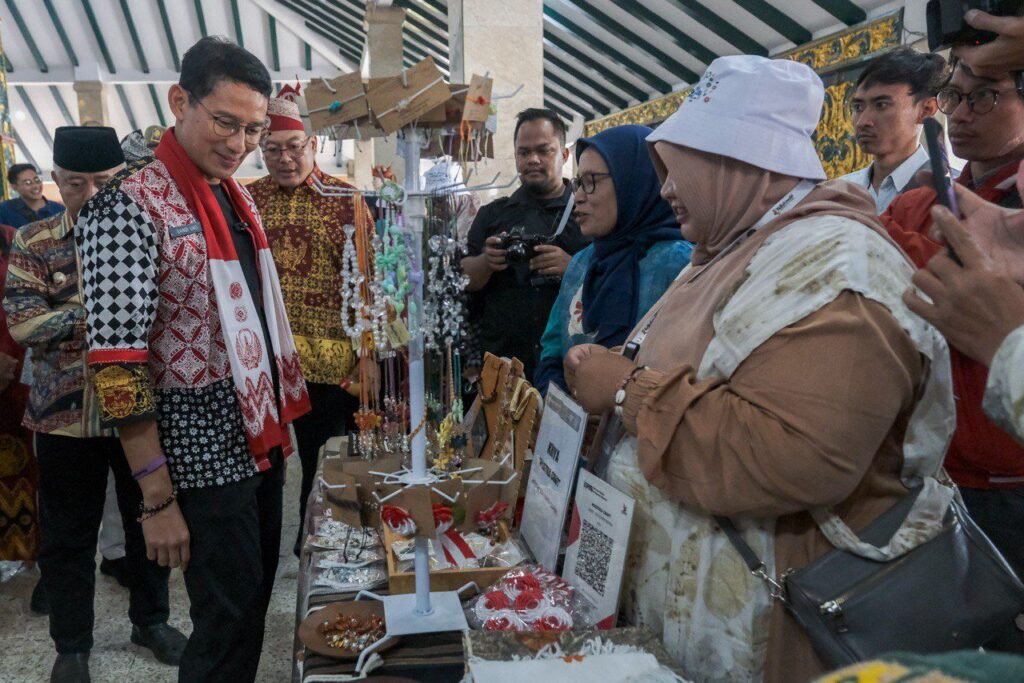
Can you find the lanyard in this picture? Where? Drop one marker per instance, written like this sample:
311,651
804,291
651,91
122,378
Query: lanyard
794,197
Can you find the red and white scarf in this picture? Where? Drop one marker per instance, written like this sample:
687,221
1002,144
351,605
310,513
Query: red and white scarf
265,416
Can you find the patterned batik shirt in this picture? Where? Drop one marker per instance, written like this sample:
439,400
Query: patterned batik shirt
45,314
305,230
156,351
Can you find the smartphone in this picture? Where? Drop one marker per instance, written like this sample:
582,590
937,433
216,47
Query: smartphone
942,179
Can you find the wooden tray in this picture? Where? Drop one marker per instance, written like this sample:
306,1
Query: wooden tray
440,579
314,640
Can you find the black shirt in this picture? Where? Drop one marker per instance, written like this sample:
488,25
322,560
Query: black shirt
245,249
512,311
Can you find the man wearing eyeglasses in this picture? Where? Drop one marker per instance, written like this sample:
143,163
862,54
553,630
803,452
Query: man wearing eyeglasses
306,232
191,356
30,205
986,127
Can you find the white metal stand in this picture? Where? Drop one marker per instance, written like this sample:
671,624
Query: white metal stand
424,611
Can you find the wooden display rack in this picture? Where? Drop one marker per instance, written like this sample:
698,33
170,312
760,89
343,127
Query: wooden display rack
440,579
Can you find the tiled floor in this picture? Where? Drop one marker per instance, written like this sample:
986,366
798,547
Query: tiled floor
26,651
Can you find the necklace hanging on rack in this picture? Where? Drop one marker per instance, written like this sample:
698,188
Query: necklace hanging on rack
444,316
396,410
352,279
362,317
502,431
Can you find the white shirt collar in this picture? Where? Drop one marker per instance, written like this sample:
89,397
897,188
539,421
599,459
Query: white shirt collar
895,183
905,172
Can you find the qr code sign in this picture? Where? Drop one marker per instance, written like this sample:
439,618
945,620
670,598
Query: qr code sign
595,552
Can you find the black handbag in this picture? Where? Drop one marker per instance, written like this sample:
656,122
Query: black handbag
952,592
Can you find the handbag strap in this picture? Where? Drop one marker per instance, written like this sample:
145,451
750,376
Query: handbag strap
754,563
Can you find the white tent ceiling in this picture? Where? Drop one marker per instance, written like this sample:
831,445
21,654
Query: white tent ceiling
600,55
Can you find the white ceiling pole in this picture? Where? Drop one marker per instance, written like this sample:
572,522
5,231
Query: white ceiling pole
297,25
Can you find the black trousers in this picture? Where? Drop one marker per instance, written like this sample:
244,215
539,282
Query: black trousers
331,414
1000,514
235,533
72,490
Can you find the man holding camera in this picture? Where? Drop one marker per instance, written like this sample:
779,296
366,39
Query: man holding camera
516,259
986,127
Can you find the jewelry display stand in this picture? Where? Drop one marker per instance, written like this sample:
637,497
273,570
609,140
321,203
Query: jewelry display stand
423,611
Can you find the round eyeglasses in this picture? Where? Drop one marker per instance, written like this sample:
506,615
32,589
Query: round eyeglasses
586,182
980,101
228,126
295,150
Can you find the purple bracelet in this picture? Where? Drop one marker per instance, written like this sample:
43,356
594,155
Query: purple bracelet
153,465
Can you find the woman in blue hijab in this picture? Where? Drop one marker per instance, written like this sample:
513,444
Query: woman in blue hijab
636,253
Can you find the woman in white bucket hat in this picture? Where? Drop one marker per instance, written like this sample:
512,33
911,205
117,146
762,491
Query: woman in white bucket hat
780,381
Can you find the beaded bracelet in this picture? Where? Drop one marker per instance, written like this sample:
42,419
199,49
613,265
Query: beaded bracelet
147,512
620,393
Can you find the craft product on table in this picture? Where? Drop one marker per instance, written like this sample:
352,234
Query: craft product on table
622,655
528,598
351,579
352,541
486,553
342,630
351,557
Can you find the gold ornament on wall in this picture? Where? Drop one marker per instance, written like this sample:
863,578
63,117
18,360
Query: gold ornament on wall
838,59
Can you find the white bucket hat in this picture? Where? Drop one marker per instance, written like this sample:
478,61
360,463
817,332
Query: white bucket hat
758,110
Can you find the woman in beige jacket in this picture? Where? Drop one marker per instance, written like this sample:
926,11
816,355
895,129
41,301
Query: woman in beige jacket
780,381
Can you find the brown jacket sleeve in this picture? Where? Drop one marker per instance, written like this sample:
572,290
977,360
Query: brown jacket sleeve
795,427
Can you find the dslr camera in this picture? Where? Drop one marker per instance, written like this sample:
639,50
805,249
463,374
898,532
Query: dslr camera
520,247
946,25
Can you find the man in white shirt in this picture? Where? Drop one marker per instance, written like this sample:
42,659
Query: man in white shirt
894,95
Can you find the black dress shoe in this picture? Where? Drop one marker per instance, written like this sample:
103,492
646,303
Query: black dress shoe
38,603
73,668
118,570
164,641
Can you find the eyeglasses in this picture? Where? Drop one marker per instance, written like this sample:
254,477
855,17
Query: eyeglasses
293,149
980,101
227,126
587,182
30,181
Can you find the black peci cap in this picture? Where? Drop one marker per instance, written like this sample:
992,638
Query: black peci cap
86,149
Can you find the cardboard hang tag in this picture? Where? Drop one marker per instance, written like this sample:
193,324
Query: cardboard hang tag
478,100
449,113
346,103
455,489
482,496
397,333
416,501
396,105
343,504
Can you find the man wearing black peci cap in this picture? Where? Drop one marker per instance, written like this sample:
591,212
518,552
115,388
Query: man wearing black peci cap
45,313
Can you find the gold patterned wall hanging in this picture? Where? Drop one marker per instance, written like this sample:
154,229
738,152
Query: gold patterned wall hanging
6,132
838,59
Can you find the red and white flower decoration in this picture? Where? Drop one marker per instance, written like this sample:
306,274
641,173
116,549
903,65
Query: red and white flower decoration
443,517
398,520
488,517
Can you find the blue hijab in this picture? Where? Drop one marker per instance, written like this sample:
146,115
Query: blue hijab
610,287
